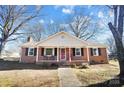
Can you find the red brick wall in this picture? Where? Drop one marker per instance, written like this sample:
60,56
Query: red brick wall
100,59
84,57
27,59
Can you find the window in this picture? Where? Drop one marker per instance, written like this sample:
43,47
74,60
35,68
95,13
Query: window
95,52
49,51
30,51
77,51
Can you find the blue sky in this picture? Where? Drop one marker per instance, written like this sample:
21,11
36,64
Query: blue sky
60,15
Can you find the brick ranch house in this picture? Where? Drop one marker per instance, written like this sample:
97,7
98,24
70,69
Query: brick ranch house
62,47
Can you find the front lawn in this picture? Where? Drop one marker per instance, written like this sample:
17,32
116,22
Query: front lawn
29,75
97,73
29,78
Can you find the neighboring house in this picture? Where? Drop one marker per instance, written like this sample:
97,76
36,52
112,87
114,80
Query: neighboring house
62,47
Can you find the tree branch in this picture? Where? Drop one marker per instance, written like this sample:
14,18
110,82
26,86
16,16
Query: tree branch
114,31
21,24
111,7
11,39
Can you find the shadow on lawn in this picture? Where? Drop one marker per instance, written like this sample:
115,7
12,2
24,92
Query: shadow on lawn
15,65
109,83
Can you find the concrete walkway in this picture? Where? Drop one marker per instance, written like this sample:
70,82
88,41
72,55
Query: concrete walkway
68,78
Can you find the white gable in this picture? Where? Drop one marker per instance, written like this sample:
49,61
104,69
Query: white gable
62,39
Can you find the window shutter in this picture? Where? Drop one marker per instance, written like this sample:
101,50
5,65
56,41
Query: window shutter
26,51
35,51
42,51
91,50
82,52
55,51
73,51
99,51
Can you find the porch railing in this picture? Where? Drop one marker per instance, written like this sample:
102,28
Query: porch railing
49,57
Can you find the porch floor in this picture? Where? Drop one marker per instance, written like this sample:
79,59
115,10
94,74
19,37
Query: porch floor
67,61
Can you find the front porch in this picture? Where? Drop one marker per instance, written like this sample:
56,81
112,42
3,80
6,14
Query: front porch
60,54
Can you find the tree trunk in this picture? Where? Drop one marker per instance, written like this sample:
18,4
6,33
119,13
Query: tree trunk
120,51
119,45
120,57
2,44
121,65
0,48
120,54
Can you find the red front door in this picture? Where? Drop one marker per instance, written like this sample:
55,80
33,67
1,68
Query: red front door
63,55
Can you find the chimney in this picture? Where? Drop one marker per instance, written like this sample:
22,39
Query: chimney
29,39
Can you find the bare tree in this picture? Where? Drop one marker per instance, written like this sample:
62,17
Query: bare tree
79,26
36,31
117,30
12,19
111,47
52,28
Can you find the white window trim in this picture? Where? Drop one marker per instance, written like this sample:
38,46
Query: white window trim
80,51
97,52
29,51
49,55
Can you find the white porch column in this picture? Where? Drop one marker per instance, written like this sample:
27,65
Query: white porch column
37,55
69,55
57,54
88,55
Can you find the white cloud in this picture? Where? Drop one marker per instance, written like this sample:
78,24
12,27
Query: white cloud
64,25
41,21
51,21
111,14
100,14
101,24
64,6
38,7
89,6
57,6
91,13
70,7
67,11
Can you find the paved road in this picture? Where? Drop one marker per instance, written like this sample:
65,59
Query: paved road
68,78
